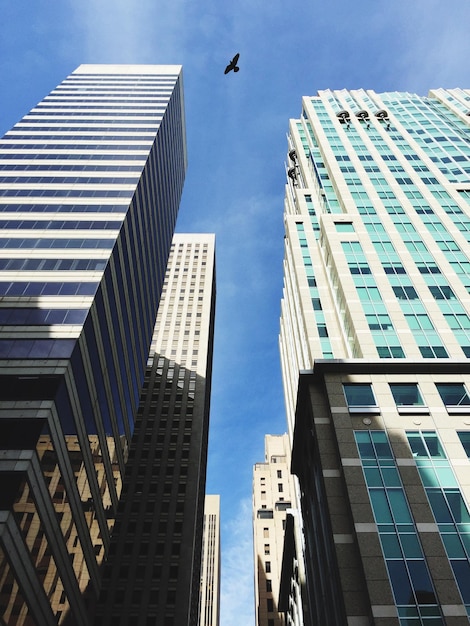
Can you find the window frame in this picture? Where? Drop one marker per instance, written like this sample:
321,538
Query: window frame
364,407
407,409
454,409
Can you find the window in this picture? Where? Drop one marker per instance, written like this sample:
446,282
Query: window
464,437
266,548
267,567
455,397
408,398
269,586
360,398
270,605
344,227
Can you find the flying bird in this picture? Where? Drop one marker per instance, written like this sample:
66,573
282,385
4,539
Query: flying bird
233,64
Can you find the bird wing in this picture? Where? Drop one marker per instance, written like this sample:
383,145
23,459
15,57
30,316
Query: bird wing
228,68
235,59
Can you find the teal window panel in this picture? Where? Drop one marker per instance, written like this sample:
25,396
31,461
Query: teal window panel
453,546
411,546
446,476
439,506
380,506
364,444
429,476
391,546
421,582
390,477
458,506
373,477
464,437
405,293
433,444
417,445
399,505
381,445
359,394
462,574
344,227
453,394
406,394
401,584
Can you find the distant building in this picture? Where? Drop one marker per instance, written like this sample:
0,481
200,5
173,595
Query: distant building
209,608
375,347
90,185
153,571
273,489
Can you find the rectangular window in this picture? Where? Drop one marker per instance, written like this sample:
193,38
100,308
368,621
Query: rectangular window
408,398
455,397
464,437
344,227
360,398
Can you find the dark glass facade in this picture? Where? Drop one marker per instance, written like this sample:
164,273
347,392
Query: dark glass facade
79,290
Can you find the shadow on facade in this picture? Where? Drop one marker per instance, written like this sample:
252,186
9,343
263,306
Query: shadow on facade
267,609
157,537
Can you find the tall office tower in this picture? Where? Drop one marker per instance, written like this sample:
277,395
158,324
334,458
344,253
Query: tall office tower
89,191
273,489
152,574
375,345
209,604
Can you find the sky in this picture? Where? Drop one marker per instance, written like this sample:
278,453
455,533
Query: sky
236,129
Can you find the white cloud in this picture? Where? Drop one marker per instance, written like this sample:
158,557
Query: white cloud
237,568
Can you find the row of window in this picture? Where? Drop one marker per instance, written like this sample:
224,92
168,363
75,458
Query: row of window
360,396
89,180
64,208
59,224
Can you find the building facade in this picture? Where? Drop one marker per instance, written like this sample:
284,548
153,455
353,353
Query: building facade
273,490
157,540
89,192
374,349
209,605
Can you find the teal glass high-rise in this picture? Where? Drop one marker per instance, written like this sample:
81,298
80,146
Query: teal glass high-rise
377,220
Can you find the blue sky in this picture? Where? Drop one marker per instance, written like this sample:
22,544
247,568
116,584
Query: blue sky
236,126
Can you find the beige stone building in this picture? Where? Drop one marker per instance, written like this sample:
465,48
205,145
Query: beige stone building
152,574
209,604
273,490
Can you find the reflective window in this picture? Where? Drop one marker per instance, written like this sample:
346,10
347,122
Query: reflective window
407,397
406,394
453,394
407,569
464,437
447,504
344,227
359,395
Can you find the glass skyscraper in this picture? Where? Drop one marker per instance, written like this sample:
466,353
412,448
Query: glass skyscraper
375,347
90,183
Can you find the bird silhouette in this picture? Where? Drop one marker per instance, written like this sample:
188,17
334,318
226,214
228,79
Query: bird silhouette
233,64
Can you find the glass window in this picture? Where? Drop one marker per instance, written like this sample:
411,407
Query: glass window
464,437
453,394
344,227
359,395
406,394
